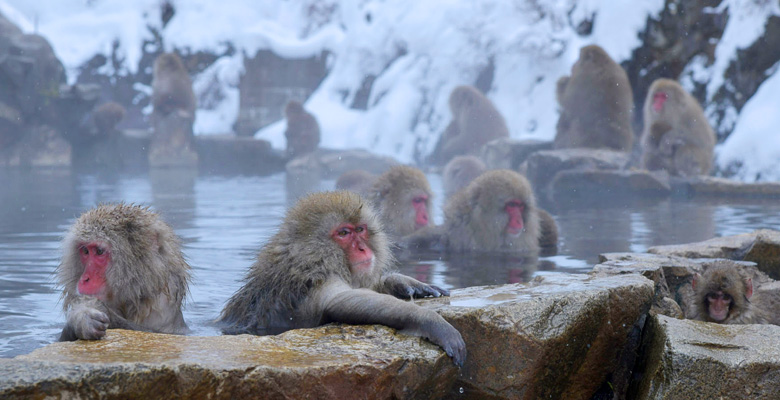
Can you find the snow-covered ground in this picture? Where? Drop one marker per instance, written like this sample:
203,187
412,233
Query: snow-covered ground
419,51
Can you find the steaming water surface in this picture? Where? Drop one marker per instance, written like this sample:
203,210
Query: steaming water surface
223,222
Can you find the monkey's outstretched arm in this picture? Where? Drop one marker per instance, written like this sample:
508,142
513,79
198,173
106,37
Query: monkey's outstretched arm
341,303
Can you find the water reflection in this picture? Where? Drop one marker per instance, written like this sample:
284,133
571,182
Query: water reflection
223,222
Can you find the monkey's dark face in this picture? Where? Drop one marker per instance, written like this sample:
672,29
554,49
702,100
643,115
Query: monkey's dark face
719,305
354,240
95,258
515,209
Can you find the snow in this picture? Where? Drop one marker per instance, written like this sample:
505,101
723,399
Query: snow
417,50
755,142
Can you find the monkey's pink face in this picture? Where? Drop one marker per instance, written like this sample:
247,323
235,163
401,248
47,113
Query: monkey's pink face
95,258
659,98
719,304
514,209
420,204
353,239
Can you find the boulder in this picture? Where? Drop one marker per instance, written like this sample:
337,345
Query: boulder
541,167
684,359
761,246
172,140
231,153
506,153
332,362
613,184
330,164
714,187
561,336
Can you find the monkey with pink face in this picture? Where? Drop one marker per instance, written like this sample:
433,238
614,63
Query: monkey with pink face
329,262
122,267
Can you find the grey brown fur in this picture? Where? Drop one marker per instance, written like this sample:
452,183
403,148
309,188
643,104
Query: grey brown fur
147,280
725,276
171,87
303,131
475,121
475,220
596,102
356,180
303,279
392,195
679,138
459,172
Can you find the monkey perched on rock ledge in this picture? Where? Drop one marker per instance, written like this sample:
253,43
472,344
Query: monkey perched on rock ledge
329,262
122,268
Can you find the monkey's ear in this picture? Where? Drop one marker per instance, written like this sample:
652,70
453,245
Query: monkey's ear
749,288
696,278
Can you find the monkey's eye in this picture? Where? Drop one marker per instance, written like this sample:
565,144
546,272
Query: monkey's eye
358,229
419,199
343,232
99,251
84,249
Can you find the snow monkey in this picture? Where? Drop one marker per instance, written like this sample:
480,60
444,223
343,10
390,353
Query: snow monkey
402,197
475,121
596,103
723,295
329,262
303,131
171,87
356,180
495,212
459,172
677,137
122,267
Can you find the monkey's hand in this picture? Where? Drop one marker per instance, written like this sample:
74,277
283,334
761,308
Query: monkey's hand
405,287
440,332
341,303
86,320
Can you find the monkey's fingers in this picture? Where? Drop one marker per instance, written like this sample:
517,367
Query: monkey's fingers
440,291
450,340
93,325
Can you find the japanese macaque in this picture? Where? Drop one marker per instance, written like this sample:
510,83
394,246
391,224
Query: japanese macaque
548,239
402,197
475,121
171,87
303,131
122,267
677,137
723,295
96,141
596,103
172,144
327,263
495,212
356,180
459,172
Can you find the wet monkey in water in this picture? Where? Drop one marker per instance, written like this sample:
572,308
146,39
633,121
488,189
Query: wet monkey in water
329,262
402,197
122,267
459,172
